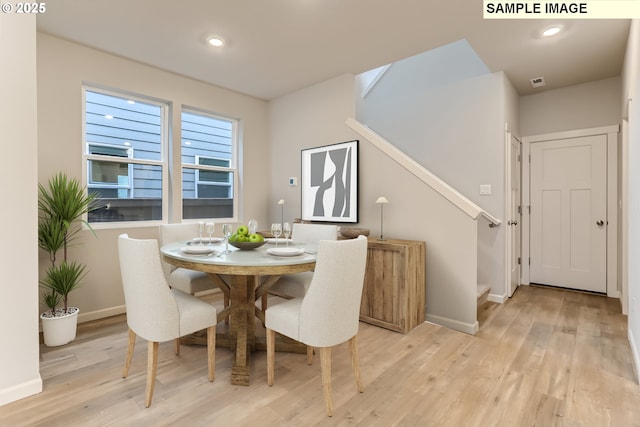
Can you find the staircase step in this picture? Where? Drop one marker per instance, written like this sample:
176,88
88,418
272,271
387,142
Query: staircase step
483,293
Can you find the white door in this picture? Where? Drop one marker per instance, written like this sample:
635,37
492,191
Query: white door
514,223
568,213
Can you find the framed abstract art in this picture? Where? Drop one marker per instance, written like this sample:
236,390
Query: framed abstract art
330,183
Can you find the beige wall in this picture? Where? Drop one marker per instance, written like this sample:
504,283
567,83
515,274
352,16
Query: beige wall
631,90
583,106
19,362
62,69
316,116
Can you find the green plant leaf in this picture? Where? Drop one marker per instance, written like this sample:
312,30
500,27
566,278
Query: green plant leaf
64,278
62,204
51,299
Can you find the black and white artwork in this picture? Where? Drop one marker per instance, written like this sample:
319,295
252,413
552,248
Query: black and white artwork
330,183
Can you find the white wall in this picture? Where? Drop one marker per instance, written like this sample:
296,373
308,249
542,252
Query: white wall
446,111
19,357
62,68
308,118
582,106
631,80
316,116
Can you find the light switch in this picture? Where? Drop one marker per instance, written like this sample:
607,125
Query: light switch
485,189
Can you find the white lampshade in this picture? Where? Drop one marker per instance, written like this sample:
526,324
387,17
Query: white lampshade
381,201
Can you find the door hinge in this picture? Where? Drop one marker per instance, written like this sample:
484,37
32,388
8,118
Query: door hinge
519,210
518,260
529,260
518,157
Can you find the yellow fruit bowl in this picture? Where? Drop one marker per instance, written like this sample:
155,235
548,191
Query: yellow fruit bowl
246,246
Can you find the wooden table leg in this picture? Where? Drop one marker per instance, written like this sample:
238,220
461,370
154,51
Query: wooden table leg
242,326
242,334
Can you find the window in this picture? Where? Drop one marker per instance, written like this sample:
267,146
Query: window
213,184
209,174
109,179
126,160
125,139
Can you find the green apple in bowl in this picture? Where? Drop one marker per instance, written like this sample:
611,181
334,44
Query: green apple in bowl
255,237
243,230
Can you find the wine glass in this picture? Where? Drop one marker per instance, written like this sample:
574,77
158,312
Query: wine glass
226,231
253,226
209,227
200,231
286,230
276,230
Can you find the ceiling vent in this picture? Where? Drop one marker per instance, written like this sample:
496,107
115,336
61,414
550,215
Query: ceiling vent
537,82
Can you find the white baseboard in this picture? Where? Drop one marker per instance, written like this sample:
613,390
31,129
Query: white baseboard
500,299
20,391
634,354
100,314
467,328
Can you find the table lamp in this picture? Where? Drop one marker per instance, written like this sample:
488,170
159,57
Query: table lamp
381,201
281,203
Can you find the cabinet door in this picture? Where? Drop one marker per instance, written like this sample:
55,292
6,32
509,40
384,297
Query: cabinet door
384,287
394,285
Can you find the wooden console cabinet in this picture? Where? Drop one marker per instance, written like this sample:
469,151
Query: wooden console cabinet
394,290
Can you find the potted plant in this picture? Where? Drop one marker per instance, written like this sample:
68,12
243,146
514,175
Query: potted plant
62,205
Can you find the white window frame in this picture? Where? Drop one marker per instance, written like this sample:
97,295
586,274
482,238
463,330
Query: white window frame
233,161
162,163
204,167
91,184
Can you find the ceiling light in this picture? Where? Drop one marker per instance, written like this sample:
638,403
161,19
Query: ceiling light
551,31
216,41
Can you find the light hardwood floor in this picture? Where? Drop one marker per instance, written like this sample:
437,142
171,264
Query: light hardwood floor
546,357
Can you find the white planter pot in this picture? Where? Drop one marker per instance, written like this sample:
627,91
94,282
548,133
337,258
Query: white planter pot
61,329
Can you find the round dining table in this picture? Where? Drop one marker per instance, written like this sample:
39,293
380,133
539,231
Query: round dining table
244,276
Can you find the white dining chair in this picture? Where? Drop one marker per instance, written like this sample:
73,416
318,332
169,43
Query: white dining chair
189,281
157,313
328,314
295,285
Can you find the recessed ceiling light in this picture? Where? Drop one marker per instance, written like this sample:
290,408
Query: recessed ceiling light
215,41
551,31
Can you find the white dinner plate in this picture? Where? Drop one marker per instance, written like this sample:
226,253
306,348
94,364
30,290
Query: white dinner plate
207,240
285,251
279,241
197,249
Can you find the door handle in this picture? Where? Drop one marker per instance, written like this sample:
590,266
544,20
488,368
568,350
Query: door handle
600,223
512,222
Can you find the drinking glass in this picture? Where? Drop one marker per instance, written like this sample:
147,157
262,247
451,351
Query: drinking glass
253,226
286,230
226,231
200,231
209,227
276,230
